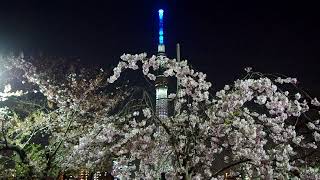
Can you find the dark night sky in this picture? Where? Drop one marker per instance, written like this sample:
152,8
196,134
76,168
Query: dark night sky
219,38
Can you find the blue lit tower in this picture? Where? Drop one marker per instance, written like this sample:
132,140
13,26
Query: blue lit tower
161,47
161,80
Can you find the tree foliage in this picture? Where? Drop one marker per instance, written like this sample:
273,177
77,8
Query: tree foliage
260,126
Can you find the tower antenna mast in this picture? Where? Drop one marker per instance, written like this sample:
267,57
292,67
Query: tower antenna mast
161,46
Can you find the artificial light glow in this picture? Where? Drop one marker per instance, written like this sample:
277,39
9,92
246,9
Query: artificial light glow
161,33
161,39
162,93
160,13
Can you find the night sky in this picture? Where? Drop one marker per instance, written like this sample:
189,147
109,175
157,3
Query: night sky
219,38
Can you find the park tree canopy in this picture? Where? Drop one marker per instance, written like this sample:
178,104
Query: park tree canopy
259,126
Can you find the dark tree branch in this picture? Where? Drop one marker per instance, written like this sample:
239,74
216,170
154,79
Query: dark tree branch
305,156
231,165
21,153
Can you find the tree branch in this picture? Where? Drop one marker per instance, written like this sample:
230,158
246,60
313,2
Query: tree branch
305,156
231,165
21,153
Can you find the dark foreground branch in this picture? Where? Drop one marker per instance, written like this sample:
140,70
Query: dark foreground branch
231,165
21,153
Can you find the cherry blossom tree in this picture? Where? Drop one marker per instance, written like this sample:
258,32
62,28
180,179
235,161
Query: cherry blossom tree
58,106
260,126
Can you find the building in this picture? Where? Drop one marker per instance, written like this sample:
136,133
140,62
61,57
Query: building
161,83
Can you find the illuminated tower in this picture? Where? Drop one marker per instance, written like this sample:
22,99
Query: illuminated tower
161,47
161,80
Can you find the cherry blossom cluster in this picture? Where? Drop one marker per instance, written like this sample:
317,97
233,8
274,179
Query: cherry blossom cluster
263,133
192,83
7,92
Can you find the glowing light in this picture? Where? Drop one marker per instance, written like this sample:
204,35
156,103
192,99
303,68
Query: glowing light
160,13
161,39
162,93
161,33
